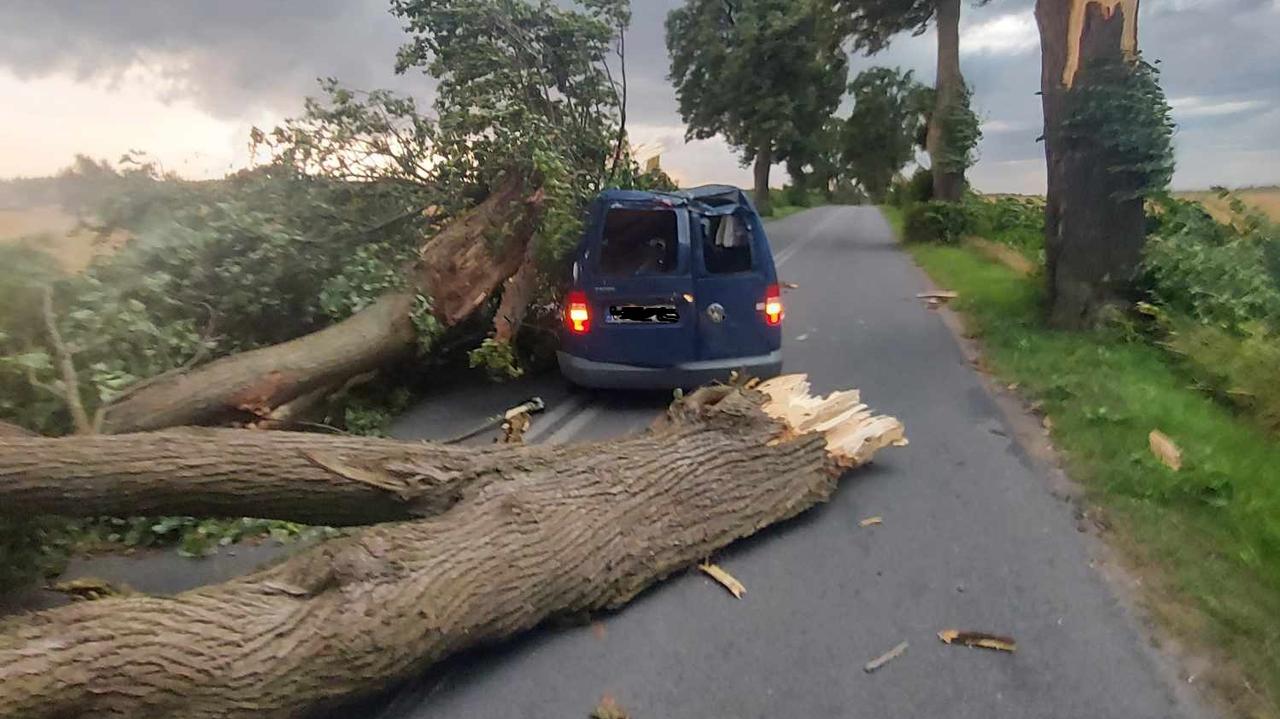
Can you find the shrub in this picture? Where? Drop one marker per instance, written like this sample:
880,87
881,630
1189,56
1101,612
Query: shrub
1225,275
1014,221
1239,369
917,188
944,222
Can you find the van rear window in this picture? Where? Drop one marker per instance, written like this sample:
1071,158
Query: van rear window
639,242
726,244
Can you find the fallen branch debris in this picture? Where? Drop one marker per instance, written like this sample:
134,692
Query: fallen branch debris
885,658
727,580
981,640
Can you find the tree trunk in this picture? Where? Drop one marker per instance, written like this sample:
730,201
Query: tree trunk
1093,237
948,88
205,472
459,268
764,160
354,614
13,430
517,292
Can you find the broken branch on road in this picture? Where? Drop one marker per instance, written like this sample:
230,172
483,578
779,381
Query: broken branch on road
982,640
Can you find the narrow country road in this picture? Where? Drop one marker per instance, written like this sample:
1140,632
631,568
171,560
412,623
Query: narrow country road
972,538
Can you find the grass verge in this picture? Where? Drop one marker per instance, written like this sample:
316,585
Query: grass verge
1206,539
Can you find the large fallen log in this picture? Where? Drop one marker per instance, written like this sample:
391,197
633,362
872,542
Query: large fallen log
586,533
206,472
458,269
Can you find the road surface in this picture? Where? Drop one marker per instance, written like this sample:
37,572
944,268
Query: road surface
972,538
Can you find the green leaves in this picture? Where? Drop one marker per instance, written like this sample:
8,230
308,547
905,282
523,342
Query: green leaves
961,132
1119,105
1220,274
756,71
879,137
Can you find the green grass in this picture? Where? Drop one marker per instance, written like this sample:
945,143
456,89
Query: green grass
1206,540
893,214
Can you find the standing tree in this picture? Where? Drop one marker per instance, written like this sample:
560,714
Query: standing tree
880,135
758,72
488,186
953,127
1108,144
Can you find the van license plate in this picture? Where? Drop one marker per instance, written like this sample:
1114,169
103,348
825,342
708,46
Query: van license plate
643,314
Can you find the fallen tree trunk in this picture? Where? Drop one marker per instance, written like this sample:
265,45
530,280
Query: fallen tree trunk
458,269
586,533
12,430
202,472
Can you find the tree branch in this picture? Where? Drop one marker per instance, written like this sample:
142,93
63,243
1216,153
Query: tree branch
70,379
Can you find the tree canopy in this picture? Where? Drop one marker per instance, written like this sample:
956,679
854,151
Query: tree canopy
881,133
758,72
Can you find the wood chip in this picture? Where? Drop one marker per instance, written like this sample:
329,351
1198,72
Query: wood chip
1163,447
870,521
608,709
726,579
941,295
982,640
91,588
885,658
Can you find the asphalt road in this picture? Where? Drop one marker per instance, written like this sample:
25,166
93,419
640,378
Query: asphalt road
972,538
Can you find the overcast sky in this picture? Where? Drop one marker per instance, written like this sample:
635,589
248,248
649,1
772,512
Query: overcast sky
185,79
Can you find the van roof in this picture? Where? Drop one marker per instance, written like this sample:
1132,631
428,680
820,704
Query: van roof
718,196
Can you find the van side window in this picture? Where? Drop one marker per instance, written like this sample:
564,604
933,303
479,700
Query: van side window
639,242
726,244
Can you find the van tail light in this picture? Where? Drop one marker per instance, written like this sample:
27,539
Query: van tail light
773,305
577,313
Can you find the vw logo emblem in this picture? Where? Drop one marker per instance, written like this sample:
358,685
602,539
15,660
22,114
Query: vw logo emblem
715,311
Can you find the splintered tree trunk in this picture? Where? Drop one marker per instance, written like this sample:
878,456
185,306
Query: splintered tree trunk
764,159
517,292
205,472
1093,235
949,86
586,533
459,268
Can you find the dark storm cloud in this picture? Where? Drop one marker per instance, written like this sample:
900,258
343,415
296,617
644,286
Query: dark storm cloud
231,56
1219,61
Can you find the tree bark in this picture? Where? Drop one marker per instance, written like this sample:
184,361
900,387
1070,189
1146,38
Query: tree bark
354,614
459,268
1093,236
948,88
206,472
12,430
764,160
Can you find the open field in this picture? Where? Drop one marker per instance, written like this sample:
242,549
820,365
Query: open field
1266,199
57,232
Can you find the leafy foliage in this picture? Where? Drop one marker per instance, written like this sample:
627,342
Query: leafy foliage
762,73
1121,106
880,135
961,133
1225,275
916,188
934,221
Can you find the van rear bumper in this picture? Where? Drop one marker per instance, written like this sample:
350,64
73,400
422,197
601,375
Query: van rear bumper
611,375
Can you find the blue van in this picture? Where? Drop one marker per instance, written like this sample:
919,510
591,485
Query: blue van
671,289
